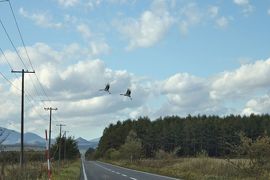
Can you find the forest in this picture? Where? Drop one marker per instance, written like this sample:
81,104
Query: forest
185,136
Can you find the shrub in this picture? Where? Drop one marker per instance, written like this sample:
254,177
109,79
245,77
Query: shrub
257,153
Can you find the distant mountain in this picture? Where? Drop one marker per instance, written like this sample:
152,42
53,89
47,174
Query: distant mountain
32,139
81,141
83,144
14,137
96,140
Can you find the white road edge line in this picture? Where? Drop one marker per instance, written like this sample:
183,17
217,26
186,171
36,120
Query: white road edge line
84,174
139,171
132,178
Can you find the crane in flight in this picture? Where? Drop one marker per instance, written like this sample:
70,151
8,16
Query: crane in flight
106,89
127,94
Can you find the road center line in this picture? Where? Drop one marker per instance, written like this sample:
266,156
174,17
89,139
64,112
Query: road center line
114,171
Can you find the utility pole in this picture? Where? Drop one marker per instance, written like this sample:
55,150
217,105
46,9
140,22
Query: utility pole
22,112
65,144
60,140
50,131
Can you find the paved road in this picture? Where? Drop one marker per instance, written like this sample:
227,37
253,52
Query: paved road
102,171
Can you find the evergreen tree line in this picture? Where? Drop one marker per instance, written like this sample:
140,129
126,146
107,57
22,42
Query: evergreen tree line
69,149
185,136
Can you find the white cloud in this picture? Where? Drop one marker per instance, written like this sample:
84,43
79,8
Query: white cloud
68,3
149,28
187,94
268,12
241,2
243,81
257,106
84,30
73,83
72,77
213,11
42,19
222,22
245,5
190,16
99,47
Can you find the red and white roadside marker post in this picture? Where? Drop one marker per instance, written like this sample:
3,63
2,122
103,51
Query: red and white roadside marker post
48,156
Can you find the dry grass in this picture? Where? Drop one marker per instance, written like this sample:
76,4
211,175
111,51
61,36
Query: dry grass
191,168
69,170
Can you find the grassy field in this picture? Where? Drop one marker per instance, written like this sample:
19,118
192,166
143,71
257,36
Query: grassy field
202,168
69,171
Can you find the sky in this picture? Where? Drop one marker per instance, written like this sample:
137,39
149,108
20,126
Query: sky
178,57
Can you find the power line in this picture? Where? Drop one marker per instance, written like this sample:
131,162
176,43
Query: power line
26,92
9,81
11,42
18,54
28,97
2,52
14,17
27,54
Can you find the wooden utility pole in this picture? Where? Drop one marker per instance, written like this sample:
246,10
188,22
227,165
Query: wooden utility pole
22,112
65,144
60,140
50,131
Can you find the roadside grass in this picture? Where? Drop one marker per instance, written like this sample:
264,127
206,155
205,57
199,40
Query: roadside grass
33,170
200,168
70,170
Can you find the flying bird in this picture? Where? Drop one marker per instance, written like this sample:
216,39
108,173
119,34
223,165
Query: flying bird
106,89
127,94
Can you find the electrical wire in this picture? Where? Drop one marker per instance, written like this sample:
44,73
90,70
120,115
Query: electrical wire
27,54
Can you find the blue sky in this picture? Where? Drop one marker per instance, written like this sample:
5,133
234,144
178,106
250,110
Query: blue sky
178,57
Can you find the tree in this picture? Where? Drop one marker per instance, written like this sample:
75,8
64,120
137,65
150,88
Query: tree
132,148
69,148
256,151
90,154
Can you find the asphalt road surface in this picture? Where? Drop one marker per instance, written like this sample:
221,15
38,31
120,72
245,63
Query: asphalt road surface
93,170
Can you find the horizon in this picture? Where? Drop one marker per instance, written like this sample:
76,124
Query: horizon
177,57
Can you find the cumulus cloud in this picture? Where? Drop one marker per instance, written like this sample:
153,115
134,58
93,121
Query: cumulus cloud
191,15
245,5
187,94
149,28
73,84
222,22
259,105
243,81
97,45
213,11
42,19
84,30
68,3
